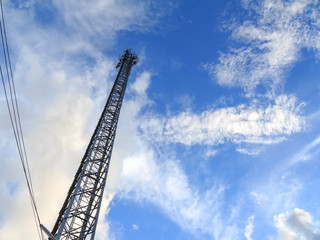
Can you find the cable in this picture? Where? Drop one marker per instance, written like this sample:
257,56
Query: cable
13,110
7,56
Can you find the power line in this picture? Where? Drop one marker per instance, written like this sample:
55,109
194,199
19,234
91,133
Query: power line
13,109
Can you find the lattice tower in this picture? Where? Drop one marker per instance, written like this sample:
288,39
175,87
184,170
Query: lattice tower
78,216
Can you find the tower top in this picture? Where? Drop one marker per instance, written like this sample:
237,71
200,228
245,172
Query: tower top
127,54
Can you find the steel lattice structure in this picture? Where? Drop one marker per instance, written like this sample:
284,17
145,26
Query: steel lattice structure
79,214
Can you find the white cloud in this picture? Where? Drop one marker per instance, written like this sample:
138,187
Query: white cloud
167,187
253,152
105,18
270,41
210,153
275,192
255,123
296,225
103,231
249,228
135,227
141,84
307,152
259,198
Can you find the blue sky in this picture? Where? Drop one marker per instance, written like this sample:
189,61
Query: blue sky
218,136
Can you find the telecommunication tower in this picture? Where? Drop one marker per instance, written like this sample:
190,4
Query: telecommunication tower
78,216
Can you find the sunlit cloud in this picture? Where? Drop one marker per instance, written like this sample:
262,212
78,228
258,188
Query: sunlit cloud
254,123
296,224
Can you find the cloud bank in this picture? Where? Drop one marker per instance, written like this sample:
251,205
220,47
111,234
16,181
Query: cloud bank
254,123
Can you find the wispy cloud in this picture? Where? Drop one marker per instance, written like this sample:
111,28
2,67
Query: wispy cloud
167,187
253,152
255,123
105,18
275,192
249,228
307,152
210,153
270,41
135,227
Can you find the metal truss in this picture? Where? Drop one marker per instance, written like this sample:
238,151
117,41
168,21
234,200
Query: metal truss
79,214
